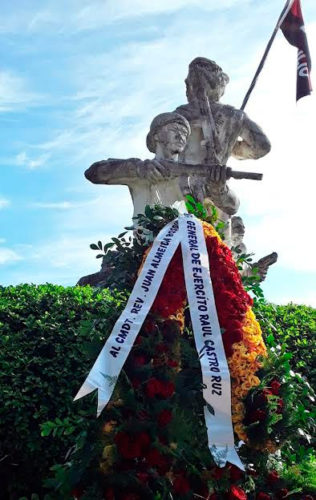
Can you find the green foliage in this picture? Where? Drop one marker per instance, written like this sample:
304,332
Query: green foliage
293,327
123,255
207,212
154,219
50,336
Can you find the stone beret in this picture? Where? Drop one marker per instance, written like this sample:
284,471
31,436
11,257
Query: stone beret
161,120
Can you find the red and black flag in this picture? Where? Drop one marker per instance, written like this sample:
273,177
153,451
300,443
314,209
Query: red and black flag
292,26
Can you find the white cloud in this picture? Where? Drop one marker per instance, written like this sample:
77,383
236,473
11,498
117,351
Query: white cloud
62,260
14,92
59,205
3,204
8,256
81,15
98,13
24,160
307,299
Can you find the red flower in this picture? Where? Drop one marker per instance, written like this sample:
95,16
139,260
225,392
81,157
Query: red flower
263,496
143,415
213,496
149,326
164,417
235,473
135,383
218,472
157,387
142,476
167,389
236,493
257,415
172,363
156,459
152,387
109,494
282,493
139,360
77,493
130,496
266,393
161,348
275,387
280,406
181,485
308,497
273,476
132,445
229,339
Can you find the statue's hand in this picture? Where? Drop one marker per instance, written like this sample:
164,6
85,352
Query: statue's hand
218,174
153,170
204,107
264,263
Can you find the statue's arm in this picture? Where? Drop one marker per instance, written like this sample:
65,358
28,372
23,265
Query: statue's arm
254,143
113,171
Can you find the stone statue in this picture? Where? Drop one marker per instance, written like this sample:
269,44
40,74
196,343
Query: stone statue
239,247
150,182
191,148
218,131
163,180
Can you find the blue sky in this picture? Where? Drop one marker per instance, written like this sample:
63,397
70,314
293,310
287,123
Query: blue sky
81,81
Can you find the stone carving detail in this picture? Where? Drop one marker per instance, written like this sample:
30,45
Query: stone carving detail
151,181
191,147
218,132
239,247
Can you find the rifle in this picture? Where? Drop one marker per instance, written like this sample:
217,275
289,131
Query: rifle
177,169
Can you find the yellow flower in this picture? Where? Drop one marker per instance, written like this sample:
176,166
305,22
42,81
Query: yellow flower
240,431
109,426
108,459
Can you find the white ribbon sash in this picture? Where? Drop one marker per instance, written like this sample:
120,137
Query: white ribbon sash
105,371
103,376
208,341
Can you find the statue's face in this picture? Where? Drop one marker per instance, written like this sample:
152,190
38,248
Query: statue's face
172,137
238,231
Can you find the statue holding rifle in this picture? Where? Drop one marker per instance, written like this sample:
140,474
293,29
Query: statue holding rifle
218,131
191,148
163,180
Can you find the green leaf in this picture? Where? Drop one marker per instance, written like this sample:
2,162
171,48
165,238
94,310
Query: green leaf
121,235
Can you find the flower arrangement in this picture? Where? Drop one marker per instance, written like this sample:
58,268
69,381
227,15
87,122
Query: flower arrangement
153,434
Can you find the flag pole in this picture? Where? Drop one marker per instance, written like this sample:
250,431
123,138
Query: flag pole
266,52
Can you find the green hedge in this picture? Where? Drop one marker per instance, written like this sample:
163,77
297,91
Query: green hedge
50,336
294,328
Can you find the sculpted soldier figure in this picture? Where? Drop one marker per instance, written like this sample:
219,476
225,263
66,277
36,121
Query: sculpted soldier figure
162,180
218,131
149,181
